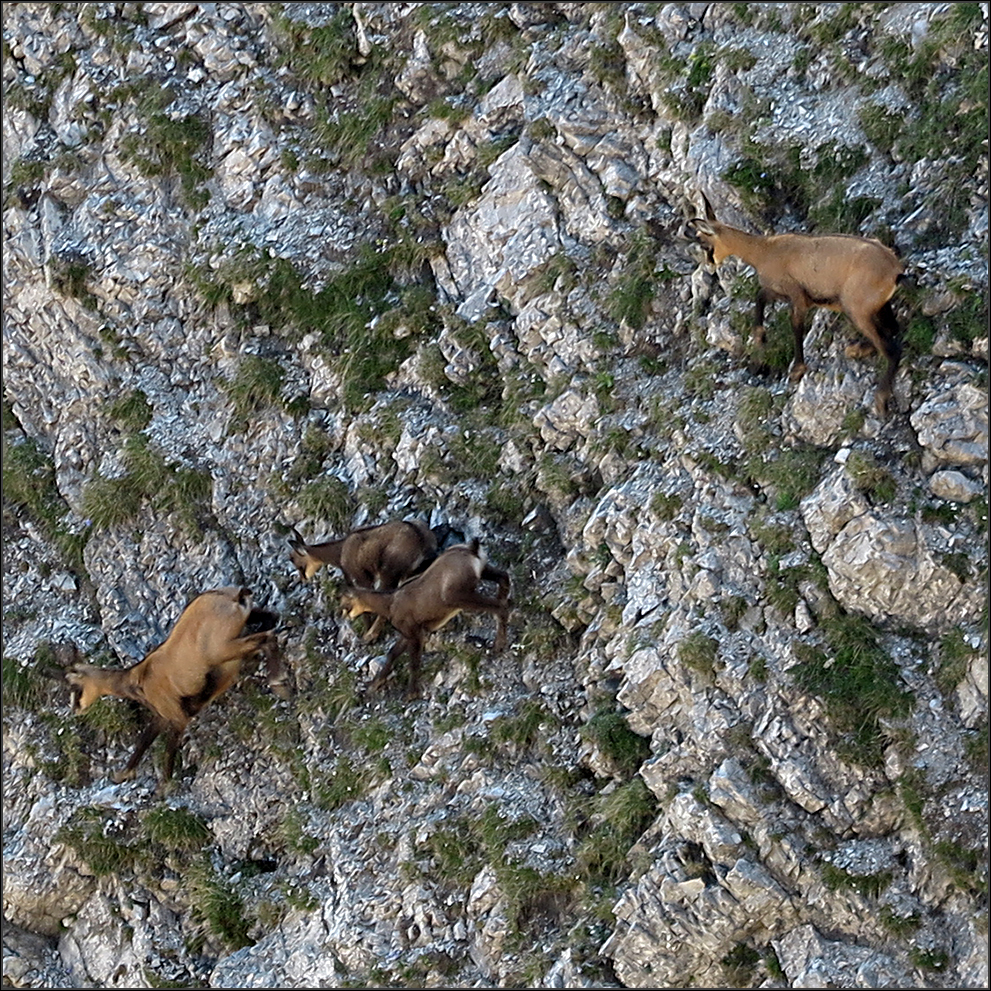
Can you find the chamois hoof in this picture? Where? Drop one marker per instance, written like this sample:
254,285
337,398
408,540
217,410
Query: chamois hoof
165,788
119,777
281,689
860,349
797,372
881,401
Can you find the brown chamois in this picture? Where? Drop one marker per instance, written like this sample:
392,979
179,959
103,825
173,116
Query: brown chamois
853,275
200,659
425,603
379,557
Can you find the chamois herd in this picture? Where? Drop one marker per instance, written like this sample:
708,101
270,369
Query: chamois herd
396,571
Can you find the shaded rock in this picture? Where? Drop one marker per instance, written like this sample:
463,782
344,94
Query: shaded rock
952,425
811,961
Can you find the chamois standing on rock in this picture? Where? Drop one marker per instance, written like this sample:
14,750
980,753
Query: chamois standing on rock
853,275
425,603
378,557
200,659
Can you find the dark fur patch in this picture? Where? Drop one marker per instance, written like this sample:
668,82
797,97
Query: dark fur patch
825,301
260,620
191,704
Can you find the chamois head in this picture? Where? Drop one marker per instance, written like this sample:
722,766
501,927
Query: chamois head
83,687
351,605
709,232
305,563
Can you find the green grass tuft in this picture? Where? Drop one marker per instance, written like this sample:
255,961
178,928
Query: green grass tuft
256,386
176,829
858,683
217,906
619,818
611,733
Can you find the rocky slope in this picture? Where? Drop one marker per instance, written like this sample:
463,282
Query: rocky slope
317,265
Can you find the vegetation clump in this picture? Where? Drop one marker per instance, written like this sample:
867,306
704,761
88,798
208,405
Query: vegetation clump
611,733
858,683
147,480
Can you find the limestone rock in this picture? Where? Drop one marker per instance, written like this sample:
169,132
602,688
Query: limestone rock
834,503
887,569
954,486
811,961
953,425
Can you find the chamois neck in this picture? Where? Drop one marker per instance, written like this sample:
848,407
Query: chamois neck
379,603
328,552
746,247
124,683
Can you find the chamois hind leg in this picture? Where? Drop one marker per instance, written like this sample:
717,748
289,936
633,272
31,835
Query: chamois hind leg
889,337
413,682
172,742
498,607
501,578
148,736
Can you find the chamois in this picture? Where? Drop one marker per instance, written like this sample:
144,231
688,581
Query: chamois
425,603
200,659
853,275
378,557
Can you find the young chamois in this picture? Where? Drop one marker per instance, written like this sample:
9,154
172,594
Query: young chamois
200,659
379,557
428,601
853,275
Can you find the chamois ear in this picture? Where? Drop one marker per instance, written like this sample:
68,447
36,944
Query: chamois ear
295,540
710,214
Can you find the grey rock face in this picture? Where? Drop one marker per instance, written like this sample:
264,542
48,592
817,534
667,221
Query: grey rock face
324,265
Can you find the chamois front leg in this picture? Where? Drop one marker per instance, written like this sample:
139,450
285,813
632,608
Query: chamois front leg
763,298
889,339
374,629
275,670
395,652
147,738
799,310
